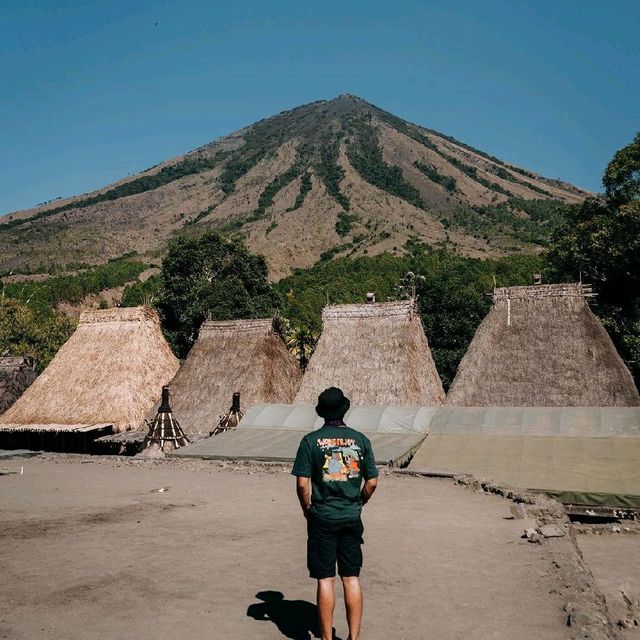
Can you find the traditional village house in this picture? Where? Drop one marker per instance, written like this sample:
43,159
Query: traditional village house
249,357
542,401
104,378
542,346
377,353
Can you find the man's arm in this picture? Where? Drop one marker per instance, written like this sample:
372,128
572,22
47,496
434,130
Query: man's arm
302,470
367,489
370,473
303,489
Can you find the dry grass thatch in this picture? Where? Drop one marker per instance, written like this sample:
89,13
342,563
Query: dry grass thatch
16,374
376,353
542,346
245,356
109,372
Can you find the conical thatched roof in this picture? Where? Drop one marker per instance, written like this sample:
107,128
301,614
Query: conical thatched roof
245,356
542,346
376,353
109,372
16,374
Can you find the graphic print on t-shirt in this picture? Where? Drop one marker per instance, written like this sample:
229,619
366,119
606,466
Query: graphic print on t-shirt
342,458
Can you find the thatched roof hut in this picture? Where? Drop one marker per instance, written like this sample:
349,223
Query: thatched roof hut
377,353
245,356
109,372
16,374
542,346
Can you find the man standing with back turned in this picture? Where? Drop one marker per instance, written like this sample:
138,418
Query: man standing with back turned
330,466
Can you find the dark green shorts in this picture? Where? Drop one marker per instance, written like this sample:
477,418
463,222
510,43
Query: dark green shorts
329,542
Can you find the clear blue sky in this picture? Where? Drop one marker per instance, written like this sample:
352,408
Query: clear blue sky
94,90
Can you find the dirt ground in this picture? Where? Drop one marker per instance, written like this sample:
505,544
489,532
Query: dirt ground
90,549
614,562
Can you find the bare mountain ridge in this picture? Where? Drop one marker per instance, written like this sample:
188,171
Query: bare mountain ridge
335,177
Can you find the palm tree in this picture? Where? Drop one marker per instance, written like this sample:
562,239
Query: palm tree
301,341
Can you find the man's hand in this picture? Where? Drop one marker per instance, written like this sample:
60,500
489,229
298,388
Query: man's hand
303,489
367,489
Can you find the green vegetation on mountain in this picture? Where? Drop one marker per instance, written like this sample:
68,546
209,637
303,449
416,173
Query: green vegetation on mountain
365,155
188,166
47,294
271,190
448,182
331,253
331,173
536,188
344,223
237,167
524,172
501,172
305,187
472,172
530,221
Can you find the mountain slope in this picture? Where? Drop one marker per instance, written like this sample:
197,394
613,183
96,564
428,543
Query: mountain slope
328,178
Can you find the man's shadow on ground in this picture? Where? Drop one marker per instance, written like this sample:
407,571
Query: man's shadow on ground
295,619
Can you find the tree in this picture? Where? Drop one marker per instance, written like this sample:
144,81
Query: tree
301,341
210,277
452,292
622,176
27,332
601,240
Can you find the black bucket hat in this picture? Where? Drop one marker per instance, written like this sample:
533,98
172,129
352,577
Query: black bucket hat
332,404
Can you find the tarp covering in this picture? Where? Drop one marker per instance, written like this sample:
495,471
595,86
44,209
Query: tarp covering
581,455
272,432
368,419
538,421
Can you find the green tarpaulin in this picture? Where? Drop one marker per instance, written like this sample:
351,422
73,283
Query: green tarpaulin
272,432
581,455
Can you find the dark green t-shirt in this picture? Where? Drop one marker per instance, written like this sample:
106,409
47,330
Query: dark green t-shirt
337,459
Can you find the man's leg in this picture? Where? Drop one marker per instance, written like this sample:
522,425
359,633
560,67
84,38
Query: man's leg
349,555
326,603
353,603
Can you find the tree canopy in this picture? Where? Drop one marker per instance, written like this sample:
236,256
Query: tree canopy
210,277
622,176
29,332
600,241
